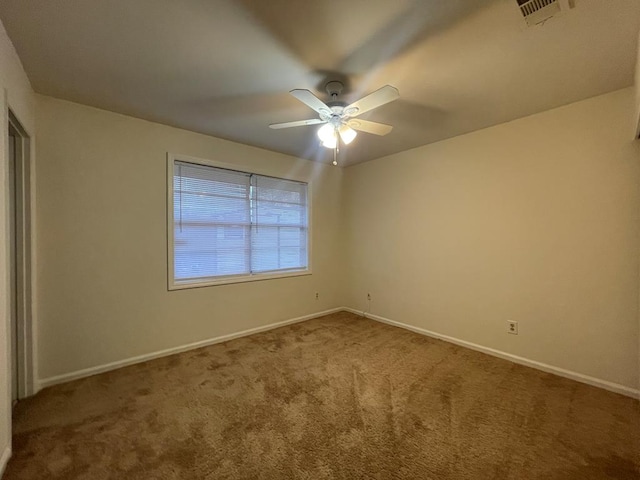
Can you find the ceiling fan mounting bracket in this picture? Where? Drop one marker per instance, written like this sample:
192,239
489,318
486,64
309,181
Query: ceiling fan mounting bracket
334,88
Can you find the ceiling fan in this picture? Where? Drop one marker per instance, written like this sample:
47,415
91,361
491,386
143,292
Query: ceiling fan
338,118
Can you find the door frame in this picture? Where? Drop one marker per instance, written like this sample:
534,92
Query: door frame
24,255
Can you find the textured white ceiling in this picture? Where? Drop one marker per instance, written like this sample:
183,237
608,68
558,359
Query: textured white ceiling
224,67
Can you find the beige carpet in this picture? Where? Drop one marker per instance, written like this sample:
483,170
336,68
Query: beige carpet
339,397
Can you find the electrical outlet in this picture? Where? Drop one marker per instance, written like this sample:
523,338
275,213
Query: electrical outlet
317,295
512,327
369,296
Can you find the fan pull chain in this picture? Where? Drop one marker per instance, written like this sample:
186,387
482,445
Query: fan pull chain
335,152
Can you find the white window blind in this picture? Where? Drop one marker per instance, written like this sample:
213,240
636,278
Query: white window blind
231,223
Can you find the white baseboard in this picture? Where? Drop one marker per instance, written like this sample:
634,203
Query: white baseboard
614,387
596,382
87,372
4,460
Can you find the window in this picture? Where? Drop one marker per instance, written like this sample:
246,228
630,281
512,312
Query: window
229,226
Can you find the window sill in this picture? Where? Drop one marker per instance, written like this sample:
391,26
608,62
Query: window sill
235,279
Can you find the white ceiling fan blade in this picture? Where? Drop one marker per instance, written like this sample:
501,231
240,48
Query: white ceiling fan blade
381,96
299,123
370,127
309,99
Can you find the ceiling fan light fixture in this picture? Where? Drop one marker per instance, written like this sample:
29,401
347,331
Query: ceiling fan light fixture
330,143
327,133
347,134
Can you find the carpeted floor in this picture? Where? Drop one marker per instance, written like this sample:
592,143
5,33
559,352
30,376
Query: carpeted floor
339,397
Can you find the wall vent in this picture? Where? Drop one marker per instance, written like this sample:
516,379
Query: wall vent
537,11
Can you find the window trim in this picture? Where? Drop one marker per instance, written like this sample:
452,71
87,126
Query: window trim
172,284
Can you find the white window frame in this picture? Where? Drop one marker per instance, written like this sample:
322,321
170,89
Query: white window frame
174,284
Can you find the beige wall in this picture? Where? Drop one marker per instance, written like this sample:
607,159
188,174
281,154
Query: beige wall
15,93
536,220
102,248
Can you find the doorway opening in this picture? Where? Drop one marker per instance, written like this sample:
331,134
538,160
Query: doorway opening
20,260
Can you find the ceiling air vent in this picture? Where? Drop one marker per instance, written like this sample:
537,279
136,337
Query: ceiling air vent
537,11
